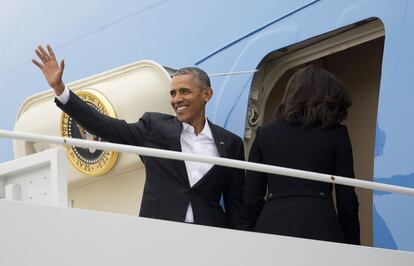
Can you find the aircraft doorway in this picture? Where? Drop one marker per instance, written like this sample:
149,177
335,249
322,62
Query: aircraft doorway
354,55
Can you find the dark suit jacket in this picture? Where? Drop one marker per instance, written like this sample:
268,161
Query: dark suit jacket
167,192
299,207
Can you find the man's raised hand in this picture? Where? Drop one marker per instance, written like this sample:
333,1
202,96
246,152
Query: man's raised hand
52,71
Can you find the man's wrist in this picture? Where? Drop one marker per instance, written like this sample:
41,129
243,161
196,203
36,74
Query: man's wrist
59,88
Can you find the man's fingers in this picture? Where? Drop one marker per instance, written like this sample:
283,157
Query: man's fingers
51,53
37,64
40,55
44,53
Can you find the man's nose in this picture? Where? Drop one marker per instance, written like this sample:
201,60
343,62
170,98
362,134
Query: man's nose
177,98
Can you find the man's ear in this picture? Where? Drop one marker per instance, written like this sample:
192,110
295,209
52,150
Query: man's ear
208,93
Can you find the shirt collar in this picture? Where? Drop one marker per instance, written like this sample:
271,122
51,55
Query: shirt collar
206,130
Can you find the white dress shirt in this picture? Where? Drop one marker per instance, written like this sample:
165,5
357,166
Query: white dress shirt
202,143
64,96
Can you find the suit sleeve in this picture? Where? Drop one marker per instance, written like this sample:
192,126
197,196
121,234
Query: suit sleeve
233,196
346,199
108,128
256,184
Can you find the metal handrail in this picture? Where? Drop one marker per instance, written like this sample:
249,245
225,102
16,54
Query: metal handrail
175,155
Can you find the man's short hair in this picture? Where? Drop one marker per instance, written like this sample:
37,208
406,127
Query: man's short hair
197,73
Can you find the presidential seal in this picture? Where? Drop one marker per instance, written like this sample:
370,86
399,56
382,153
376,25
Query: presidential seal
90,161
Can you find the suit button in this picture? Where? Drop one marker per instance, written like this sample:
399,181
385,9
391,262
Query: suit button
270,195
322,194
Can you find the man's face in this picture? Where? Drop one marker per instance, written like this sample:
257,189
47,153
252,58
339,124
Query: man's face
188,99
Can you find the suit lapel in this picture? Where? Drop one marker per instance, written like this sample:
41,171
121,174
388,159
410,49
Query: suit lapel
220,144
173,132
218,139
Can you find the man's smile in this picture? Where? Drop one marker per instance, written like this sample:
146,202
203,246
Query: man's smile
181,108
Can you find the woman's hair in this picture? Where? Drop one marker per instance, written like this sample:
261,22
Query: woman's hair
314,98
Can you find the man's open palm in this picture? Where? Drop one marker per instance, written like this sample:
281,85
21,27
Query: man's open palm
51,69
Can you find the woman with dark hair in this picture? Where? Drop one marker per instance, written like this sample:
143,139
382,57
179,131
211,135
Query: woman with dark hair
306,135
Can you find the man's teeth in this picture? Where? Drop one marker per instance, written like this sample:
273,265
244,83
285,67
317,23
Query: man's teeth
179,108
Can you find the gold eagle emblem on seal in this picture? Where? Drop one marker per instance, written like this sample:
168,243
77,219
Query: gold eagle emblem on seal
90,161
